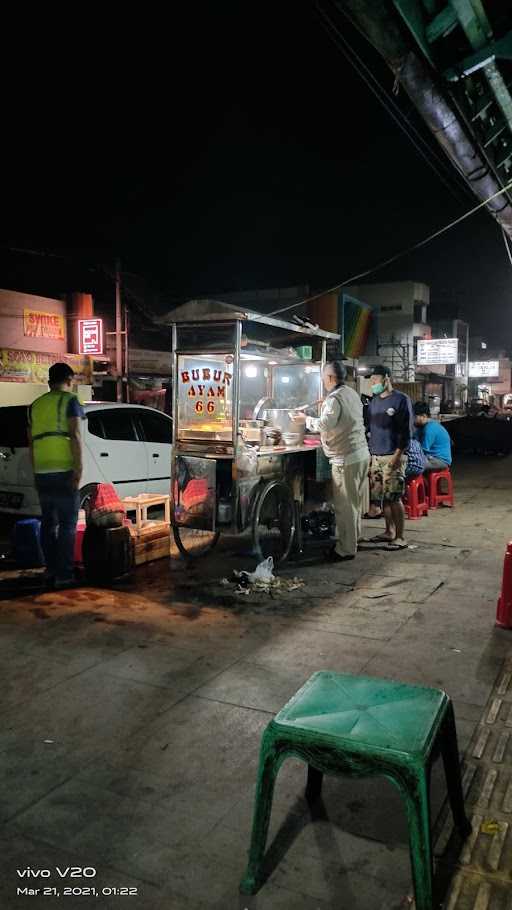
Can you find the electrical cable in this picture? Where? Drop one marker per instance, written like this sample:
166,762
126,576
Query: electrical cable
507,246
98,269
393,109
400,255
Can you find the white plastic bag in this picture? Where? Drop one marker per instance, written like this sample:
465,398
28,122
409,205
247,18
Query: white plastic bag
263,571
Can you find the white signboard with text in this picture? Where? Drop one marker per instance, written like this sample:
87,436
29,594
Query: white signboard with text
484,368
437,350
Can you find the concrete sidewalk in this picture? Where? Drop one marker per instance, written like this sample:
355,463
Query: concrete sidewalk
131,722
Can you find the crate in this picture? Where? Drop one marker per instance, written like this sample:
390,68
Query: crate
141,503
155,545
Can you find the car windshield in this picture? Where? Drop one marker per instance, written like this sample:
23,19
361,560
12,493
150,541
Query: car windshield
13,424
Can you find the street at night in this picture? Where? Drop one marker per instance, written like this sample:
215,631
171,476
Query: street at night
255,458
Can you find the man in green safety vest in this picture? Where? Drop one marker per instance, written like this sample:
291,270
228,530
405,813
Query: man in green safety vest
54,438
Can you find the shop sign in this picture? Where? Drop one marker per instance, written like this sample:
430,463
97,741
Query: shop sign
33,366
484,368
437,351
90,336
206,385
43,325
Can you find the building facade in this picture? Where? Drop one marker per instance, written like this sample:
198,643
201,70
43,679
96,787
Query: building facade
400,309
33,335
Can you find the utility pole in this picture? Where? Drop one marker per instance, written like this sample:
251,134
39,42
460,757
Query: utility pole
126,349
119,335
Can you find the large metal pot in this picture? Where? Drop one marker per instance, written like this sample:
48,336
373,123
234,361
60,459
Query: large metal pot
280,418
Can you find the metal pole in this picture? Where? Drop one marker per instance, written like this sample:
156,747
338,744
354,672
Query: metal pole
466,378
119,336
127,350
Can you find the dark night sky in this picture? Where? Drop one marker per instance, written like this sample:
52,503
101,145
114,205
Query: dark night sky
231,147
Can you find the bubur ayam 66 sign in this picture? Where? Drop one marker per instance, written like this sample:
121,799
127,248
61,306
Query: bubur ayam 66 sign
207,385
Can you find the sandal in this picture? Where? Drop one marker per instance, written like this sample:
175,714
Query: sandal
381,538
398,545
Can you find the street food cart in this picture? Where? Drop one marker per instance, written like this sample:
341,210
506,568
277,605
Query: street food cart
239,462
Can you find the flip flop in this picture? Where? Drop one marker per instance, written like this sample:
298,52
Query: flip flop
393,545
381,538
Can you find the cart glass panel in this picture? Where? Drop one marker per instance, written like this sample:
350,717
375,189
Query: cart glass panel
296,384
205,397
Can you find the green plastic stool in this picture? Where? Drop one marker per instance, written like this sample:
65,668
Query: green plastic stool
362,726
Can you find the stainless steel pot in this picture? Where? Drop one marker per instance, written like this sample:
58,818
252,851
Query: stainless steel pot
281,420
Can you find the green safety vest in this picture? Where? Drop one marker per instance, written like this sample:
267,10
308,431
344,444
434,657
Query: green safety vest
50,432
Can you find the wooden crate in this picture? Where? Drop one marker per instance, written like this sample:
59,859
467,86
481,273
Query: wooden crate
152,543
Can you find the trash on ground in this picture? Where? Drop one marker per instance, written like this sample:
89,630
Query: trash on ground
412,546
262,580
48,740
264,571
373,595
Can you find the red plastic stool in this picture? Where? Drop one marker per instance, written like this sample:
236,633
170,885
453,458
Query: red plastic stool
415,501
435,497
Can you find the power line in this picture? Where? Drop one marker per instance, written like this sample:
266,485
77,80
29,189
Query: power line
96,268
507,246
400,255
393,109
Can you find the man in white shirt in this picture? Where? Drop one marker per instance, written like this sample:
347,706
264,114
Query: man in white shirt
342,432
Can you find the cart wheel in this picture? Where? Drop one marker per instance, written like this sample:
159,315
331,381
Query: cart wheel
273,523
193,543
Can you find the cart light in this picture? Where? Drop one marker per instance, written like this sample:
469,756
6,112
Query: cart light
251,372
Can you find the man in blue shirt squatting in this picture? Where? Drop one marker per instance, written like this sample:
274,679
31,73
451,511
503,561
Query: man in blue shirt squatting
390,419
434,439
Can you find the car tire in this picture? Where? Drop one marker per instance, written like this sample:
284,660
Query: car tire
85,494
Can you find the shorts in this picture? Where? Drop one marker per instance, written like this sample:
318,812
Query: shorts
387,483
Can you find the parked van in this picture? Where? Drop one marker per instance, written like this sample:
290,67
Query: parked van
127,445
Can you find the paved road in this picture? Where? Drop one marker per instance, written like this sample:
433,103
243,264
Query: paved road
131,723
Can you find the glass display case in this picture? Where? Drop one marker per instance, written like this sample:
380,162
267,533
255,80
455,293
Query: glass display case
205,397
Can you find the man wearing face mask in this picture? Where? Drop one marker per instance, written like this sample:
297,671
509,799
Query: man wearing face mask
390,420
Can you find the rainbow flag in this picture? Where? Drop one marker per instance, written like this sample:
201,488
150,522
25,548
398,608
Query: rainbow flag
355,321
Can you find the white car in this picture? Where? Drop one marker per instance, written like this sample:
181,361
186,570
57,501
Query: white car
124,444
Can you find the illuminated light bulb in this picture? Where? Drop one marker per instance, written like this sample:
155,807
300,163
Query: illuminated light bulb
285,379
251,372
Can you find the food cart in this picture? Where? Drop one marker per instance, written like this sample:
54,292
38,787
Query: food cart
237,375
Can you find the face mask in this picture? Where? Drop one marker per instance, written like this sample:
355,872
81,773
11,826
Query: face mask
378,389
